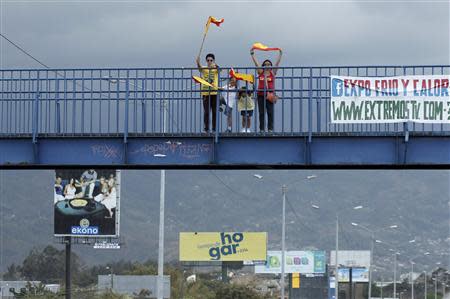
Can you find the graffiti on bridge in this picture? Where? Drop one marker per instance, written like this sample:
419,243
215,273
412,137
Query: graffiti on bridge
174,148
106,151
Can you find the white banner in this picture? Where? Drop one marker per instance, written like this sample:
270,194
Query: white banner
358,275
351,258
295,262
422,99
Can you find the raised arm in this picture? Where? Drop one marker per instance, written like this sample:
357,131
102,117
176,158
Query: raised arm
252,54
199,66
277,63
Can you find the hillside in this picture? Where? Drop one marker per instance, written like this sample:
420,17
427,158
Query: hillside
417,201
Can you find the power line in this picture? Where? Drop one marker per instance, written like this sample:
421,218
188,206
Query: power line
59,74
24,51
297,216
230,188
348,237
41,63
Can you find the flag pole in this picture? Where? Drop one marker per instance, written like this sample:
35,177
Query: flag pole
203,41
208,23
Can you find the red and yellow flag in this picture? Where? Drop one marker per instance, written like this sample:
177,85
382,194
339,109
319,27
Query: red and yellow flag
217,22
203,82
213,20
259,46
244,77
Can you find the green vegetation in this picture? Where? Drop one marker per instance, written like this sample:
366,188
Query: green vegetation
48,266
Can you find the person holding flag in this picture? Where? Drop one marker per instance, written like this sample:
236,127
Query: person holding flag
266,86
210,74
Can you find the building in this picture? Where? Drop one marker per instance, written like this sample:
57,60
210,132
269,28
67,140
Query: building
133,284
7,288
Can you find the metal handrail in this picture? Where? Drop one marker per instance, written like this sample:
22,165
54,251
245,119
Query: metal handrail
111,101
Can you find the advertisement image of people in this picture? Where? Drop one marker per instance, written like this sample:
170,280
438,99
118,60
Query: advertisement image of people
86,202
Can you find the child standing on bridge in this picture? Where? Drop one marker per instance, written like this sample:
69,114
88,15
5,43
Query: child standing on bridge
229,98
246,105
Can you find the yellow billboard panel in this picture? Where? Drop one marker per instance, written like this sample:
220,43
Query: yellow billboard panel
216,246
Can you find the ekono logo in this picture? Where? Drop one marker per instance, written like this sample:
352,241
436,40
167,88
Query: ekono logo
79,230
229,244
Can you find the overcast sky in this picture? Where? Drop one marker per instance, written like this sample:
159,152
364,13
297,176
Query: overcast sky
169,33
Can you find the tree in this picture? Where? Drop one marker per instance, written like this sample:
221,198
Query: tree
12,273
47,265
230,291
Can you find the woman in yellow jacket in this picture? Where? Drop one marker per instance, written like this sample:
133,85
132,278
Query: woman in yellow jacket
210,73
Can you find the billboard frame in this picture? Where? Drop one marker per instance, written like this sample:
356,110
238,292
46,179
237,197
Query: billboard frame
208,241
90,239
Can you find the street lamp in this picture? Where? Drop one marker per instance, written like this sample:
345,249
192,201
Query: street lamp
160,280
396,254
435,287
412,273
283,231
425,283
337,246
283,240
162,199
372,232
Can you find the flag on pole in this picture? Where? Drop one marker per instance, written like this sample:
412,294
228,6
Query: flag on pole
217,22
244,77
203,82
213,20
259,46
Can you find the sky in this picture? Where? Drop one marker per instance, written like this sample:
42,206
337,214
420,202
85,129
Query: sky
66,34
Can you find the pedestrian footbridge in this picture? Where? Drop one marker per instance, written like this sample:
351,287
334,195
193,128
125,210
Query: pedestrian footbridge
153,118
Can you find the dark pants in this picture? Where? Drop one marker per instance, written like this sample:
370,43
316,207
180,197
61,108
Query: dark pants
263,107
209,104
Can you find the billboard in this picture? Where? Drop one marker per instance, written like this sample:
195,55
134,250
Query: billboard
305,262
224,246
86,202
358,275
351,258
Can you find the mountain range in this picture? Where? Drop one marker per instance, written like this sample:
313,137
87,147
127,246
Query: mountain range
248,200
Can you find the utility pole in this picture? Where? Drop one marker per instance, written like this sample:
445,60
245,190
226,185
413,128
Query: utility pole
425,282
350,282
412,280
371,265
68,241
435,287
443,288
336,276
283,240
395,274
162,195
161,235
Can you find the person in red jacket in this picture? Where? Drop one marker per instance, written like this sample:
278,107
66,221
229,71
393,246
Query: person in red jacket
266,85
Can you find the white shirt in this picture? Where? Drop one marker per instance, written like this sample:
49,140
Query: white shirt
229,94
89,176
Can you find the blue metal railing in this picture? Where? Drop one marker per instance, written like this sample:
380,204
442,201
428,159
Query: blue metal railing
111,102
